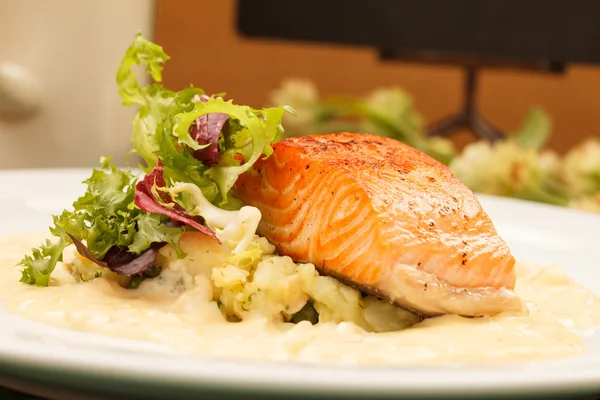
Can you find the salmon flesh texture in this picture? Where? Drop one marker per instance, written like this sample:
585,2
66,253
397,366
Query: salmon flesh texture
384,218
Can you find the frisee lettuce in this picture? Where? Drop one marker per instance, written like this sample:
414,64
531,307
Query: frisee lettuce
161,128
105,217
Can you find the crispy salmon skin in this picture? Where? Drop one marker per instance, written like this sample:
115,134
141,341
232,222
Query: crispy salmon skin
385,218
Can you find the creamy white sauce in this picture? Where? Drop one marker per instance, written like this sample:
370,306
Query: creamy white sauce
192,323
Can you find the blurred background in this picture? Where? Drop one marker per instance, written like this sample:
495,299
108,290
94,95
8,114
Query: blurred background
59,106
250,68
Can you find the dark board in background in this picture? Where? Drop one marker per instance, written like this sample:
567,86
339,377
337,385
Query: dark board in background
557,31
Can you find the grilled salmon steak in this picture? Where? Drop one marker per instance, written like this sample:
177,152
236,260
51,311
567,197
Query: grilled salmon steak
384,218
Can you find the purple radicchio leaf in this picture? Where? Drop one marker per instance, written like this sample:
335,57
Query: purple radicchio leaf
139,264
146,201
206,130
119,260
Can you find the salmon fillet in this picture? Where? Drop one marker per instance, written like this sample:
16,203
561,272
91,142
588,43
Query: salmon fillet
384,218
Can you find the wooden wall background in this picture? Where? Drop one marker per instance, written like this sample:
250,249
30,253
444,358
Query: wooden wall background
206,50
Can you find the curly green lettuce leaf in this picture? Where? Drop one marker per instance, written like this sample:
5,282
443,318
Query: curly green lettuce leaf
40,264
256,131
97,217
145,52
151,228
153,123
161,128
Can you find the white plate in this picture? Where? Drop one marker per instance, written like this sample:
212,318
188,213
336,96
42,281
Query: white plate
34,354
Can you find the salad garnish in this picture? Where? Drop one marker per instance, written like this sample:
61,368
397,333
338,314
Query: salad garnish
183,138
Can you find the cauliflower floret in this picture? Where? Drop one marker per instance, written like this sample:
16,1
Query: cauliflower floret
395,105
500,168
581,168
506,169
301,94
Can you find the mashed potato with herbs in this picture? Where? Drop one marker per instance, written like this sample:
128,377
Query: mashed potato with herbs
244,277
258,281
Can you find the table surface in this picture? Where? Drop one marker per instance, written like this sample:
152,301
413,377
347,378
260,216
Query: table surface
14,395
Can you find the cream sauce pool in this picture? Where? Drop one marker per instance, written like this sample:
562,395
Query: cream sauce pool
556,306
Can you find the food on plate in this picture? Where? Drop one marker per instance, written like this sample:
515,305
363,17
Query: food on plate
345,248
234,307
183,213
385,218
